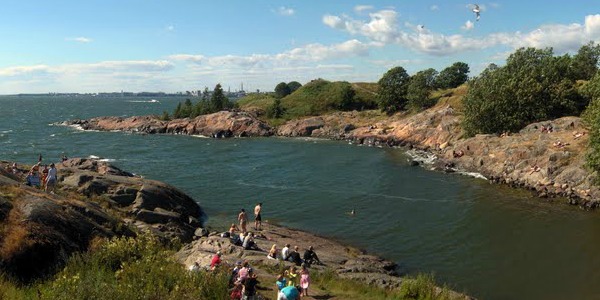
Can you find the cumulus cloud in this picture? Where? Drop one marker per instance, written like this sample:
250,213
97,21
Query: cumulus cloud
382,28
24,70
79,39
468,25
308,53
362,8
285,11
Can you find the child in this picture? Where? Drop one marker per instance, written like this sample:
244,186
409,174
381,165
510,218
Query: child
304,280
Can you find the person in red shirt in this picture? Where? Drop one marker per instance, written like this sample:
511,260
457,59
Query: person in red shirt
216,260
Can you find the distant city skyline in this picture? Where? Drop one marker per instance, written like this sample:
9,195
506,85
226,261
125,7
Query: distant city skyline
158,45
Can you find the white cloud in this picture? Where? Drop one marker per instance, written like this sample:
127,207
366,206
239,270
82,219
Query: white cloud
362,8
308,53
434,7
382,28
285,11
79,39
24,70
468,25
170,28
333,21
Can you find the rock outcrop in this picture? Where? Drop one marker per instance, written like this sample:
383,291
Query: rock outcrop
220,125
39,231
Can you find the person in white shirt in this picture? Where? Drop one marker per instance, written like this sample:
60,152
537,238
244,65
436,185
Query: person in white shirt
51,179
285,252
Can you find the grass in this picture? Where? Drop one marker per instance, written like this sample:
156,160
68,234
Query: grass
421,287
123,268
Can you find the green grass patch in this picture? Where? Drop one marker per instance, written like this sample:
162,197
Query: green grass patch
123,268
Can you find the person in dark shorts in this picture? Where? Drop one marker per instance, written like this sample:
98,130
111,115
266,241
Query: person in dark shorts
257,217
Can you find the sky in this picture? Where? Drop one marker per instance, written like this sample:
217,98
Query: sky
178,45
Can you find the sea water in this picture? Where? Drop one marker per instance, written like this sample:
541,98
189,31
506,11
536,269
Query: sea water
490,241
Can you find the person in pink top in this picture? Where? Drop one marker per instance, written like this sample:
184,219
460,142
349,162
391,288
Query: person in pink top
304,280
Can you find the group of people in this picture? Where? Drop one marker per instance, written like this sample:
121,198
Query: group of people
291,284
40,176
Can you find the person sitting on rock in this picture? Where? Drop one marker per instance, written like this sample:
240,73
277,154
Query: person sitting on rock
310,257
33,179
273,252
195,267
216,260
295,257
248,243
285,252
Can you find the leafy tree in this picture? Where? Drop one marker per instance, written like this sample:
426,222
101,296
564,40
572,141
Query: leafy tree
218,101
347,98
392,90
530,88
187,108
282,90
453,76
584,64
591,117
275,110
294,85
419,88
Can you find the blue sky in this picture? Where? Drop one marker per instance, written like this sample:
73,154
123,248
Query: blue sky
178,45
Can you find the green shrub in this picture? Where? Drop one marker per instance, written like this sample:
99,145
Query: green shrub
533,86
591,117
124,268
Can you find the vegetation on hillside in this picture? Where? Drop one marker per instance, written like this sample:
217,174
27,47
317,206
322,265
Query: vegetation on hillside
123,268
534,85
591,117
209,103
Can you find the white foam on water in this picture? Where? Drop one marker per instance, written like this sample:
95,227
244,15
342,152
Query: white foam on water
422,156
144,101
200,136
472,174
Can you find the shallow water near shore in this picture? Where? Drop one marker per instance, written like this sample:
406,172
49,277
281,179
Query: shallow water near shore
490,241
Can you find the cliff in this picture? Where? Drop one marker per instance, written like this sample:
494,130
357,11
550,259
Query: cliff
39,231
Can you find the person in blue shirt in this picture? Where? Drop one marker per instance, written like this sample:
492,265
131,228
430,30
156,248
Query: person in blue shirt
289,293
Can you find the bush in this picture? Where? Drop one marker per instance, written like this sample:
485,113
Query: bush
125,268
533,86
591,117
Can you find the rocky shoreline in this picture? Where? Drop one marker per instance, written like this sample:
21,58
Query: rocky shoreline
549,163
39,231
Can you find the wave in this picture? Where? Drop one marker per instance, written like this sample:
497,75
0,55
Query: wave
5,131
98,158
472,174
144,101
422,156
200,136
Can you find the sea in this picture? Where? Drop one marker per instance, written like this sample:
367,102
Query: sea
489,241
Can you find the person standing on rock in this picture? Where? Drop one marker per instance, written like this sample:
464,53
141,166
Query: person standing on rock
243,219
257,217
51,179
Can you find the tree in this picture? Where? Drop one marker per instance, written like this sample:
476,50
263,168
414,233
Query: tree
584,64
392,90
453,76
531,87
218,101
282,90
591,118
419,88
165,116
347,98
294,85
177,113
275,110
